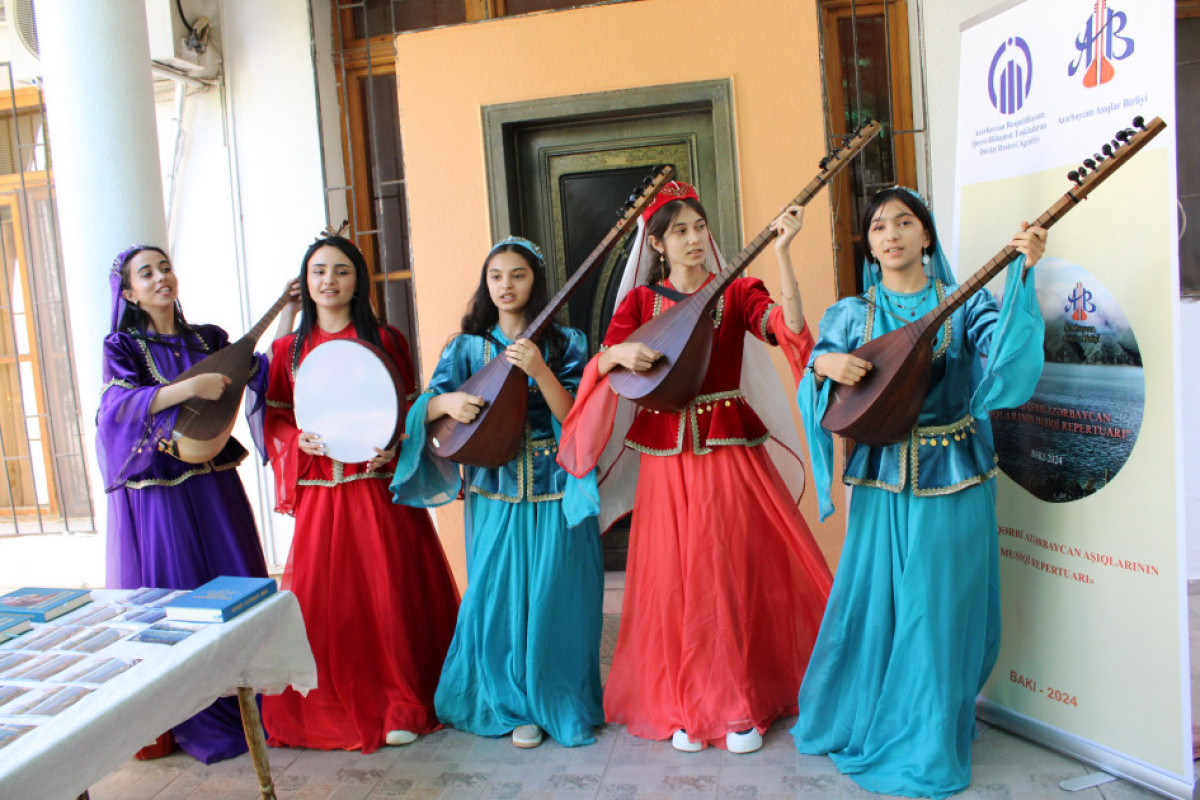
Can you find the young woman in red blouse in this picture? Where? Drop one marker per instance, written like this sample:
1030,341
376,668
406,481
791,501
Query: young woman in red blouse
725,585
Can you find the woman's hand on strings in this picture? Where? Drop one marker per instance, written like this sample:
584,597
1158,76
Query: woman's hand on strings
786,226
527,357
633,356
209,386
1030,240
460,407
841,368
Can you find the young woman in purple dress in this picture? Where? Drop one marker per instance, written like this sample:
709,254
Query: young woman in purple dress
171,524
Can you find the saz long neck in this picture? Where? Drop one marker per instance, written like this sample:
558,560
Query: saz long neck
929,324
535,329
255,333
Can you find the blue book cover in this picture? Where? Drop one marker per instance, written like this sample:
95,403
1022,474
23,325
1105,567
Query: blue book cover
42,605
12,624
220,600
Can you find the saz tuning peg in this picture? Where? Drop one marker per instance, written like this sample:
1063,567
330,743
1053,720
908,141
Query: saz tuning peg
1075,177
1107,150
1087,162
1139,123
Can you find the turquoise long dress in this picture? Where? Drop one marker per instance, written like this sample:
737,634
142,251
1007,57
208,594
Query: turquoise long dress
527,645
912,628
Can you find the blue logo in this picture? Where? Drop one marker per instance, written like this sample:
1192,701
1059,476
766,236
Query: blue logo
1010,76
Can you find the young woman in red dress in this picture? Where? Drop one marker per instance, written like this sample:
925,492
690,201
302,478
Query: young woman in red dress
725,585
377,595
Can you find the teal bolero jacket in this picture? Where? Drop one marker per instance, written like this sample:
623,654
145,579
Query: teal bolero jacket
951,446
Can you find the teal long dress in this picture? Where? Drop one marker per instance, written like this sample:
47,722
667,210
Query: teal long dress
527,644
912,628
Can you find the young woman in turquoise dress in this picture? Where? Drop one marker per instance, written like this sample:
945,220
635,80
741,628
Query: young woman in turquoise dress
912,627
525,655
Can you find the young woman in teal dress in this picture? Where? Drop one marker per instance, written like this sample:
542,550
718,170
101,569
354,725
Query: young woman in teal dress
912,627
525,655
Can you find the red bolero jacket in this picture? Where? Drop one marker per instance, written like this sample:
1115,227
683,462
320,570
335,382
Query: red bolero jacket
719,415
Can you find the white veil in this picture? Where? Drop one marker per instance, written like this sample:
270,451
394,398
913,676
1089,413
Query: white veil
761,385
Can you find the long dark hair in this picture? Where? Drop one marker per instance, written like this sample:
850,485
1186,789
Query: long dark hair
911,202
133,316
658,225
362,316
482,314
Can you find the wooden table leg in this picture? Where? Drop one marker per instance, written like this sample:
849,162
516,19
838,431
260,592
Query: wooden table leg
252,725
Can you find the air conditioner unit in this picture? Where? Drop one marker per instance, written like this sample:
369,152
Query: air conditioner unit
20,40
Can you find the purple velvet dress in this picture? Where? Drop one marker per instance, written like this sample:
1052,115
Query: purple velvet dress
172,524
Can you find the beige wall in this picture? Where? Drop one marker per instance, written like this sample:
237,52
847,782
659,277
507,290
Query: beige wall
768,48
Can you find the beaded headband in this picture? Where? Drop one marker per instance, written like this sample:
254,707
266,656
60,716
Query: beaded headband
521,242
670,192
119,261
913,192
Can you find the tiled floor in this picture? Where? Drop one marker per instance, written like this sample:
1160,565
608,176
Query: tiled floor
452,764
457,765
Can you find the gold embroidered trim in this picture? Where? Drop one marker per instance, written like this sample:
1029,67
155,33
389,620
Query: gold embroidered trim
869,324
958,487
719,312
954,427
540,498
118,382
340,477
939,435
203,469
149,357
279,404
762,325
746,442
939,350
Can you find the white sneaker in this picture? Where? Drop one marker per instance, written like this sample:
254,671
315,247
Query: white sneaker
681,742
526,736
744,742
398,738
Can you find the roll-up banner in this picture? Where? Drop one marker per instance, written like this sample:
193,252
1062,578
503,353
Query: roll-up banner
1094,656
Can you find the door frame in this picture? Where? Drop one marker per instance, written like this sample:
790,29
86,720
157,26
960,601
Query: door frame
501,123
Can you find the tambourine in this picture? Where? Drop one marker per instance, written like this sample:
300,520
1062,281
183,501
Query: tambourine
348,392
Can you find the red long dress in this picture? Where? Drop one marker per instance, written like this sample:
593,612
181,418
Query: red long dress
725,585
377,595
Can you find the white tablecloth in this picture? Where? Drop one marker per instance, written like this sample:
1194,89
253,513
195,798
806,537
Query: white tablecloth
265,648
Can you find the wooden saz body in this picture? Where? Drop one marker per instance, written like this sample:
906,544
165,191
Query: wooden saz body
683,333
883,407
494,436
203,426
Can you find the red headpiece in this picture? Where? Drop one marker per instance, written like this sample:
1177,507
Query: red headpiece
674,190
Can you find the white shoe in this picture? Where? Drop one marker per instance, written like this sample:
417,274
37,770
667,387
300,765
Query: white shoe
745,742
526,736
681,742
398,738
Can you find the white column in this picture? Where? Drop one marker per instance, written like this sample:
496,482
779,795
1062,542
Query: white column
104,149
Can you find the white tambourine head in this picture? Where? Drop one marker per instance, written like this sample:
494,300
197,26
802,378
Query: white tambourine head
347,395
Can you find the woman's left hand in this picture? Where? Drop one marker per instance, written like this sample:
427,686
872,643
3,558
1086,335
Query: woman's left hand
1030,240
787,225
526,356
381,458
293,290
